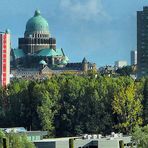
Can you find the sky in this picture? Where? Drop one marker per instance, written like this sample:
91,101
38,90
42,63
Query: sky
103,31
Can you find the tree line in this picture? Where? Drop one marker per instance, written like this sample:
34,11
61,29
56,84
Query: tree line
72,105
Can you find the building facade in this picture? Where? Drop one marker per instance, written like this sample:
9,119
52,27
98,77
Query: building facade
142,42
120,64
133,57
94,141
37,52
4,58
37,35
37,45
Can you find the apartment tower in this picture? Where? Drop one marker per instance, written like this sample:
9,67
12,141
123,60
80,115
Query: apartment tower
142,42
4,58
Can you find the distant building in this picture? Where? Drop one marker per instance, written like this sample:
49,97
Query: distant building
81,66
37,53
134,57
4,58
37,35
142,42
43,71
37,45
120,64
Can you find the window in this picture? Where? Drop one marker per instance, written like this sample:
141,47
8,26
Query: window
4,74
4,46
4,56
4,50
4,79
4,69
4,60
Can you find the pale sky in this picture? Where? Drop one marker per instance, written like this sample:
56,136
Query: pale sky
103,31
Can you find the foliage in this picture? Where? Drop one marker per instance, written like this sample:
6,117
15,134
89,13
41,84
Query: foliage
46,94
1,134
18,141
14,140
127,105
140,136
69,105
125,71
145,101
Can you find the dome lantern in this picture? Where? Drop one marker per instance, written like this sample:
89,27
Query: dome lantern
37,13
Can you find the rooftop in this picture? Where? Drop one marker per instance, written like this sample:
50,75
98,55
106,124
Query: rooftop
37,24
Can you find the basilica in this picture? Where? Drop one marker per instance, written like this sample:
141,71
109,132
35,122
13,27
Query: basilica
37,50
37,46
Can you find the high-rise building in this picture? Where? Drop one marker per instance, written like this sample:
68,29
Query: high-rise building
134,57
142,42
4,58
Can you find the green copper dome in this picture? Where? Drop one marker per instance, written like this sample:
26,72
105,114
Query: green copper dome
37,23
42,62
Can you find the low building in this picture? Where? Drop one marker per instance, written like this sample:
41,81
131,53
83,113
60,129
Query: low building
87,141
43,71
31,135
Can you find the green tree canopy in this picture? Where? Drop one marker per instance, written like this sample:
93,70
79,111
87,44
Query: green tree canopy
140,136
127,105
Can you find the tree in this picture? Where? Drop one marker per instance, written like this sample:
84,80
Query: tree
84,106
19,141
2,135
16,93
140,136
46,95
15,140
68,105
125,71
127,105
2,106
145,101
71,105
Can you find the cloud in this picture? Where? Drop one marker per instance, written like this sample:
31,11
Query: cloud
84,9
